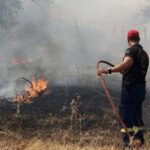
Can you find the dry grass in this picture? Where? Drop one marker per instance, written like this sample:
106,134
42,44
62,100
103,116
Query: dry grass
56,133
39,145
65,140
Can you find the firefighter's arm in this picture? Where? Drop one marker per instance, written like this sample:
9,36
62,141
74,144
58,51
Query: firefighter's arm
127,62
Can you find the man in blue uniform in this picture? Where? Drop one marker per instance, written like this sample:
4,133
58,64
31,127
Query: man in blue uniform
134,69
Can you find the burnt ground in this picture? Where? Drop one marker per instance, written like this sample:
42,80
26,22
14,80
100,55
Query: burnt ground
52,110
57,100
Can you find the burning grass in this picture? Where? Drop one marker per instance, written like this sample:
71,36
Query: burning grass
31,91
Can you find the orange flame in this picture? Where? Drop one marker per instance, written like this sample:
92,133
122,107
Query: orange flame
31,92
37,87
17,61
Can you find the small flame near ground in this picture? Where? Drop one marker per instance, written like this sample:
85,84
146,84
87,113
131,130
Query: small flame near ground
17,61
31,92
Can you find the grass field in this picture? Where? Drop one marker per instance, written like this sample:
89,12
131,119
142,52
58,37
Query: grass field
87,123
48,135
98,142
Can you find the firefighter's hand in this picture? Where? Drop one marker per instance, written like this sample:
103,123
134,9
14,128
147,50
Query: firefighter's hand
101,71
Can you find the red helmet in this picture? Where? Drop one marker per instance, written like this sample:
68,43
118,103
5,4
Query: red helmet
133,35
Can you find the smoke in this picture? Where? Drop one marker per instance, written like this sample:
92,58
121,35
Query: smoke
62,39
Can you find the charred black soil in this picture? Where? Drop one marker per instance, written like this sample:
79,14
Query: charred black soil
75,108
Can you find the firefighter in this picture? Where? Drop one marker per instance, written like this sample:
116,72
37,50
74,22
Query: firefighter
134,69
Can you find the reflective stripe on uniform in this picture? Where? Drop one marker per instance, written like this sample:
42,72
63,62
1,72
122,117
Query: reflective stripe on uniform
136,129
129,130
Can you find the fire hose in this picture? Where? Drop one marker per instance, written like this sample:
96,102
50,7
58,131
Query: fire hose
133,144
116,113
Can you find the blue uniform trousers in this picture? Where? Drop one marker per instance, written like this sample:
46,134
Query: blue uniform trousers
130,110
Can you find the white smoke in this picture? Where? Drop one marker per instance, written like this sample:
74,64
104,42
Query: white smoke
65,38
